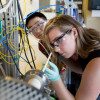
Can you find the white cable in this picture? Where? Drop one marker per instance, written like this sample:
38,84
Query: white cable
44,47
47,62
6,7
3,72
41,44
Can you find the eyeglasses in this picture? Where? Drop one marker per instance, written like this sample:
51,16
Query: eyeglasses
59,40
36,27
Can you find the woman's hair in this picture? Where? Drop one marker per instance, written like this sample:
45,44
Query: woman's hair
88,39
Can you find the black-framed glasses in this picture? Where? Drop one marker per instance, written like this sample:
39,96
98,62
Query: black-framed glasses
59,40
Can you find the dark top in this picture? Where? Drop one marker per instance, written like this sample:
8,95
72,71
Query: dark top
76,78
42,49
84,62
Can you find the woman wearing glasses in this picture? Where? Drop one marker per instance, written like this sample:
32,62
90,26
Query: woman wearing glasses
81,48
36,23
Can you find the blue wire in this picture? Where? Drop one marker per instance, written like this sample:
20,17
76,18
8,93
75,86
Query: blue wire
4,38
30,15
21,22
41,9
13,51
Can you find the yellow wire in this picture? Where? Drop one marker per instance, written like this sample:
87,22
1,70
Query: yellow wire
4,36
24,11
13,45
6,27
7,61
31,48
33,52
9,43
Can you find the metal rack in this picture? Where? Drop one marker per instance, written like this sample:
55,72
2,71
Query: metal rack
14,89
11,12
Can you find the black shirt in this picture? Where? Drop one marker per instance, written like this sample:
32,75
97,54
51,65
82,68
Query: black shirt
75,78
84,62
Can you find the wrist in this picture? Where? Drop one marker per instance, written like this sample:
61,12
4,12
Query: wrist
57,78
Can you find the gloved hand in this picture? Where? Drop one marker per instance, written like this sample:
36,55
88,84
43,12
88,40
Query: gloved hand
53,73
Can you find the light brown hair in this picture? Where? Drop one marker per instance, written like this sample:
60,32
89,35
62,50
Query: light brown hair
88,39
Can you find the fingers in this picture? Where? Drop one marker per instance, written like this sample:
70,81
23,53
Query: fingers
48,75
52,65
43,64
47,70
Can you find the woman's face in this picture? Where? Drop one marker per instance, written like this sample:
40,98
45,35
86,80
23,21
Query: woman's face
36,27
65,45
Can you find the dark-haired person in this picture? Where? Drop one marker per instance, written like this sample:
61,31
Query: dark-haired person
81,48
36,23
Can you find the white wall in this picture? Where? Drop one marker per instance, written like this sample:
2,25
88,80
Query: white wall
26,6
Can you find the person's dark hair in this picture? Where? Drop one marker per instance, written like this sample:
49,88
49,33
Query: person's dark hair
36,14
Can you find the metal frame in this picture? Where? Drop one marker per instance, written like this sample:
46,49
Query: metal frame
11,19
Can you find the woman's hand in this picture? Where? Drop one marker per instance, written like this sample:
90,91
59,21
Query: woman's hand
53,73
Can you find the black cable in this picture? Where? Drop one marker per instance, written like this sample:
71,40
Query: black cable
23,46
26,32
7,42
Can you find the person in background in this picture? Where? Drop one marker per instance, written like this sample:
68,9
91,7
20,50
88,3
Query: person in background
36,23
81,48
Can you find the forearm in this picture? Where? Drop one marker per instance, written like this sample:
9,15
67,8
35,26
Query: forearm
61,91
